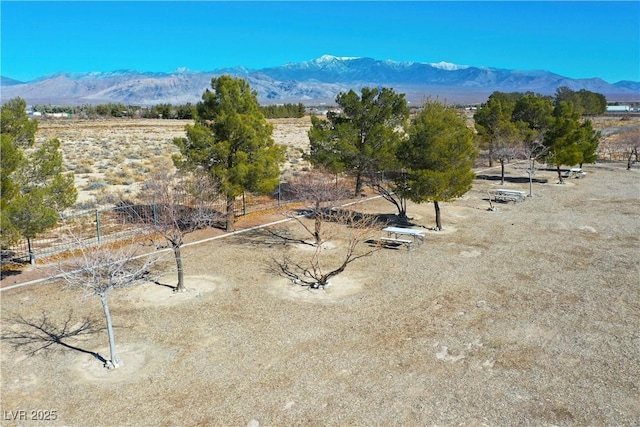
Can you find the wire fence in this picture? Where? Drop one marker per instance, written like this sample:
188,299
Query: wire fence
104,226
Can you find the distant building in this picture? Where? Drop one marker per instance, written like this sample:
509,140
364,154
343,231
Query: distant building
618,108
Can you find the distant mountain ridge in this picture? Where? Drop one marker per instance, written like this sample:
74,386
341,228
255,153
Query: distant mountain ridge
309,82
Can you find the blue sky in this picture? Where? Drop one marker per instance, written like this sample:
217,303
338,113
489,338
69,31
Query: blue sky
574,39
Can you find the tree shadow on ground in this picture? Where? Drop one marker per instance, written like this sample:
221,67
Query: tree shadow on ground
512,179
166,285
11,263
44,334
10,271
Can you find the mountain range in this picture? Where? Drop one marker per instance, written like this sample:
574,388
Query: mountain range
311,82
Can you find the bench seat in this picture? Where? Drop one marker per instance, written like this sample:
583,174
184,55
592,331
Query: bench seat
406,242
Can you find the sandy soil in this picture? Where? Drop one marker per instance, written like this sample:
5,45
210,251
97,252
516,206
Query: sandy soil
527,315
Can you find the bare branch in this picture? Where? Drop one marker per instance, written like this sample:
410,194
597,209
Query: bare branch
322,192
180,204
98,270
313,272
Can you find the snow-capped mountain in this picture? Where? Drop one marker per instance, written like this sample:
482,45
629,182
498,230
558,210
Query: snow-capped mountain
314,81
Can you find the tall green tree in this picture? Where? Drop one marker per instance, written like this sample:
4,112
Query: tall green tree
363,137
16,125
231,141
534,110
584,102
496,129
589,140
533,114
438,156
36,189
568,141
17,133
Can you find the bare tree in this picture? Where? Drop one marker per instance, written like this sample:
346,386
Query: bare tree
315,272
532,151
97,271
505,148
629,142
321,191
181,207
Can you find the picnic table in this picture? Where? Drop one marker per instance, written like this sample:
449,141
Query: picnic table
399,232
574,173
504,195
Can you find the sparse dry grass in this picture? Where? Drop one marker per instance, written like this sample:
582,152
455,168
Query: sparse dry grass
524,316
126,152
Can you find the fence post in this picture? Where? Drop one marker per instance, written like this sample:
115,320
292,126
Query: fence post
279,193
98,225
155,214
244,205
32,256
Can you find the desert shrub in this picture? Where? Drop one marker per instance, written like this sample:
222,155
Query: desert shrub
96,185
85,205
81,169
133,156
142,170
107,198
119,177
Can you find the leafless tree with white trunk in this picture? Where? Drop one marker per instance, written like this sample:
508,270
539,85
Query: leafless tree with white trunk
532,151
99,270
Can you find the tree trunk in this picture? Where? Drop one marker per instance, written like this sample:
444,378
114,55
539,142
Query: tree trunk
402,210
114,362
317,219
180,286
230,212
358,183
629,161
32,257
559,174
438,219
501,171
317,228
403,218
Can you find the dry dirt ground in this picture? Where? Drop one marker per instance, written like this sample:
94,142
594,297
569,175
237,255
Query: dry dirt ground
528,315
